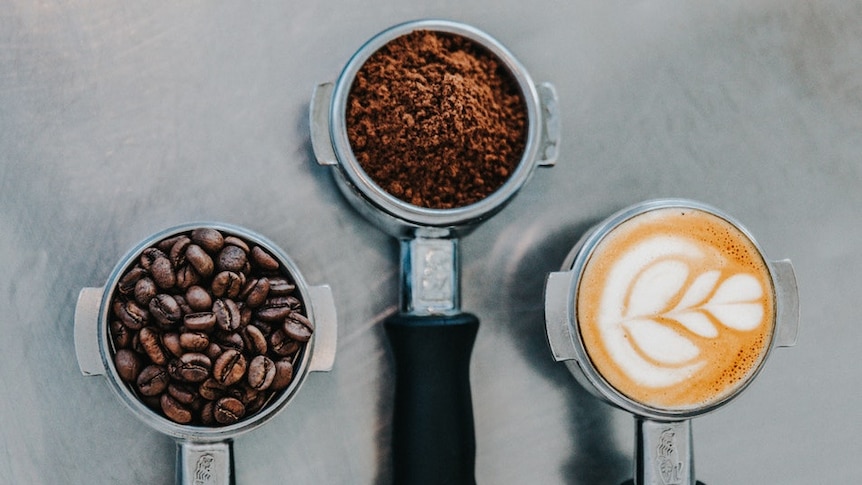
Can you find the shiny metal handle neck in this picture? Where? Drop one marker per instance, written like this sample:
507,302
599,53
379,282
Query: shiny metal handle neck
205,463
430,282
664,453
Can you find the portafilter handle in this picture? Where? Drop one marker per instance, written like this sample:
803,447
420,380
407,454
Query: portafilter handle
433,439
432,340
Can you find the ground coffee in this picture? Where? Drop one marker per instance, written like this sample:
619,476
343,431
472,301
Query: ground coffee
436,120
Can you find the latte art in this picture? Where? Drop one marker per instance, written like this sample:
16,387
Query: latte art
675,308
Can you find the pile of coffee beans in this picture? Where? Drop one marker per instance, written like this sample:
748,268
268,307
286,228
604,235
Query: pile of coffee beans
207,327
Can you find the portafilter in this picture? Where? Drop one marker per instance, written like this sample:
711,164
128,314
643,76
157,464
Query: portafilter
431,337
204,452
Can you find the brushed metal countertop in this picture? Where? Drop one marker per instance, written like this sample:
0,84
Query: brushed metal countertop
120,119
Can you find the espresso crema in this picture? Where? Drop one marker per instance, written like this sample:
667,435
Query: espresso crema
675,308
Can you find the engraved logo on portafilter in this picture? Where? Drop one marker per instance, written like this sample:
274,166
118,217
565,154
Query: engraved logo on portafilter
667,461
675,307
203,470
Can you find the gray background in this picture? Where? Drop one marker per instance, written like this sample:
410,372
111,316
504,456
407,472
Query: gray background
119,119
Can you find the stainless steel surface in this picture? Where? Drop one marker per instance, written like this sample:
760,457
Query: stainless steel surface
118,119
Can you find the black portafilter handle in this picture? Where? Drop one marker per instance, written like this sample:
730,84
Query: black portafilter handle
433,439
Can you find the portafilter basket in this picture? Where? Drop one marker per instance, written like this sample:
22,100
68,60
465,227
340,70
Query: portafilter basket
431,337
204,453
663,437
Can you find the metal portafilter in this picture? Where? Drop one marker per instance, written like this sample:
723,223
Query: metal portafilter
637,296
204,452
432,339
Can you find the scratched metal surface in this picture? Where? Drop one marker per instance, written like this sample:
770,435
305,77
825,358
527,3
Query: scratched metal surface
118,119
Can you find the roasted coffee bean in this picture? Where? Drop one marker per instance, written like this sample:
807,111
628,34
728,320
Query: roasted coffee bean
131,314
200,322
127,283
283,375
238,242
211,389
230,367
162,272
194,341
165,245
275,309
177,252
231,258
213,351
182,393
227,314
263,260
207,417
175,411
174,368
149,255
254,340
297,327
284,301
228,410
200,260
209,239
241,392
227,284
165,309
184,306
151,342
281,344
187,277
171,343
230,340
265,328
136,343
261,372
191,367
257,403
245,315
121,334
153,380
145,290
128,365
280,286
198,299
255,291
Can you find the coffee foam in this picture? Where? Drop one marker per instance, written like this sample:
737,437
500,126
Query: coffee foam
675,308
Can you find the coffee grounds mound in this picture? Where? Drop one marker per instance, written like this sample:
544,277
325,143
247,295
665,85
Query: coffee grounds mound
436,120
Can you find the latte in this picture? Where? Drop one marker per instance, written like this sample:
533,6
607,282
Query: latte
675,308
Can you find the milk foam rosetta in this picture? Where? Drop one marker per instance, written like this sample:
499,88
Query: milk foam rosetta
675,308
